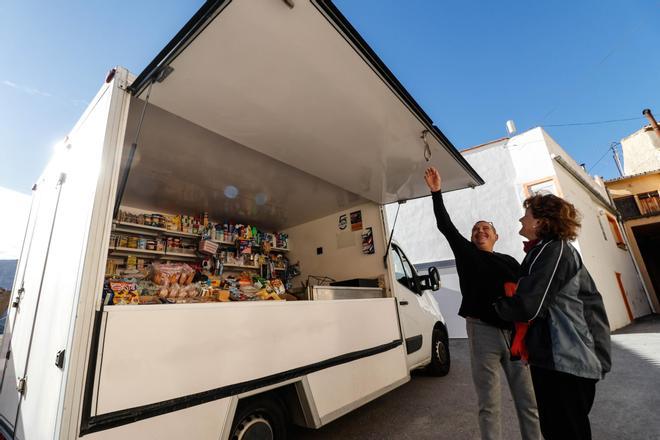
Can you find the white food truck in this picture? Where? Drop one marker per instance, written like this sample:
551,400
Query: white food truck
273,113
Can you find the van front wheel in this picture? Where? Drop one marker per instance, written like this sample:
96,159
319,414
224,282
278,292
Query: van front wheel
440,359
260,418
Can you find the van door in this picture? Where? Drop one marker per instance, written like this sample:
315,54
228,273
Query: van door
413,317
26,295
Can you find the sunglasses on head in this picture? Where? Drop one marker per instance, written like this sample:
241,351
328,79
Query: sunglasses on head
483,221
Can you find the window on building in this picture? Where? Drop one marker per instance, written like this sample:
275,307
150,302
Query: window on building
649,202
616,231
627,206
544,186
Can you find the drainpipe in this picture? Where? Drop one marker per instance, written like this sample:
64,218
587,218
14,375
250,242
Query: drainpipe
647,112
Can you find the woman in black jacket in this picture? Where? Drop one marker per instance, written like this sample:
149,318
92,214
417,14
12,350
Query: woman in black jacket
568,340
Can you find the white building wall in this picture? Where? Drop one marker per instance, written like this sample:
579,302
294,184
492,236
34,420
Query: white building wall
506,167
554,148
602,257
641,152
530,158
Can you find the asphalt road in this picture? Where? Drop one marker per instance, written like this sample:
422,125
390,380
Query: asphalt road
627,402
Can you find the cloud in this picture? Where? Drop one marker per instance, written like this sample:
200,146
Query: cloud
25,89
32,91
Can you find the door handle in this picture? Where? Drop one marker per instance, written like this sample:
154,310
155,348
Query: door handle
403,303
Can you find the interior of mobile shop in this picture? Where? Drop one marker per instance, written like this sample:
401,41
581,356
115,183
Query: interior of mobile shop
204,219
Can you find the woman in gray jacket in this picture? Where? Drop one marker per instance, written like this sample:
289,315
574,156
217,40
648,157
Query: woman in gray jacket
568,340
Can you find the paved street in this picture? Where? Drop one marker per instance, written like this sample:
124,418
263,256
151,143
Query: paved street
626,407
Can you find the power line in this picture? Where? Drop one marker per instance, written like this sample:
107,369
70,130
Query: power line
594,123
609,149
598,161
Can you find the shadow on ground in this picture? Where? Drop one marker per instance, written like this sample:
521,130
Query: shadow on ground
626,406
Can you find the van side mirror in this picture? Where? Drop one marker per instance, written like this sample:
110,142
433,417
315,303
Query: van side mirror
434,276
430,281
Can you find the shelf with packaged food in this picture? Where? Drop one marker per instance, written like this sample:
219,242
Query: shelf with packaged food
241,266
149,230
118,249
254,244
180,255
225,243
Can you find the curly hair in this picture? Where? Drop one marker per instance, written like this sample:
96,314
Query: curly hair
559,218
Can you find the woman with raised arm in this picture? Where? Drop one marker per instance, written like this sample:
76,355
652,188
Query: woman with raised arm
483,274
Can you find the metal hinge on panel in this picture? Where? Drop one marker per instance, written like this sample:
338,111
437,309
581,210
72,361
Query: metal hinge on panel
59,359
22,383
17,300
122,84
427,148
8,354
62,179
163,73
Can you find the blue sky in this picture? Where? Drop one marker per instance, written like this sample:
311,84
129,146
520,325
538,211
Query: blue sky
471,65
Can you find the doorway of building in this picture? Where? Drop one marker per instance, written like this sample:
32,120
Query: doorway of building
648,241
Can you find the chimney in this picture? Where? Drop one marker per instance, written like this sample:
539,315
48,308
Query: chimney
647,112
510,127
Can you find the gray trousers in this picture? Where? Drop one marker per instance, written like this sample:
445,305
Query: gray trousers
488,351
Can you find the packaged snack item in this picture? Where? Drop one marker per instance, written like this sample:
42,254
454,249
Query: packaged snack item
223,295
179,273
122,241
133,242
174,291
164,292
208,247
145,299
278,286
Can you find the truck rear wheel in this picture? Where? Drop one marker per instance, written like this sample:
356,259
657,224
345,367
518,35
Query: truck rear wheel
260,418
440,359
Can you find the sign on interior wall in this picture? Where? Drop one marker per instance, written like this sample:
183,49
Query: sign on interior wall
368,241
356,220
343,222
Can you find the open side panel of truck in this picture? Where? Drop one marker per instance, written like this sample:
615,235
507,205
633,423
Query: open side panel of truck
301,86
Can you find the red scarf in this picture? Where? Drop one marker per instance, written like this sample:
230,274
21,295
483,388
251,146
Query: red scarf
528,245
518,346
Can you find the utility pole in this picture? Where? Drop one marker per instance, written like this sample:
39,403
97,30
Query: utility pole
617,160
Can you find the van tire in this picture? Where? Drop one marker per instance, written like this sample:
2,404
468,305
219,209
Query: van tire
259,418
440,358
